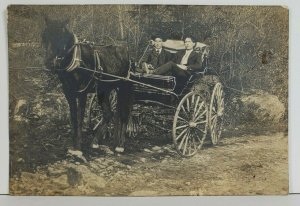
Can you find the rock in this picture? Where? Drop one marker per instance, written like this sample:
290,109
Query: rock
105,149
95,181
74,176
20,110
94,166
143,160
62,181
164,161
147,150
28,175
81,176
110,168
188,183
156,148
55,171
76,155
262,107
21,160
147,174
128,166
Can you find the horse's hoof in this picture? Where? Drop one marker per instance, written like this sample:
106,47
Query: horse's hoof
95,146
119,149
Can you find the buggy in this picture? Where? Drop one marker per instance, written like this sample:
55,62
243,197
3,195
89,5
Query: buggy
196,108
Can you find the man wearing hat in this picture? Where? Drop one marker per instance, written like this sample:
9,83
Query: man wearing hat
156,57
183,64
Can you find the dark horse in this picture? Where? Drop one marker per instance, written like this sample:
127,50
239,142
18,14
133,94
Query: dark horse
76,63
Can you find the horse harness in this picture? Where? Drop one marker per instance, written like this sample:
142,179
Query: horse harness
78,63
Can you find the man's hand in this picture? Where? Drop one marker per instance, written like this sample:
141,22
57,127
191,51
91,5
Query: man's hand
183,67
150,67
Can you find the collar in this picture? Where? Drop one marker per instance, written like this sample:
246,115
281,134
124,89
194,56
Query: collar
158,50
188,50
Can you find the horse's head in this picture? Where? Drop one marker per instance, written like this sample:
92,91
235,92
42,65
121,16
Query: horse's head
56,40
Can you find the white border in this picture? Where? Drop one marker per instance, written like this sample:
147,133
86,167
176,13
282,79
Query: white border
294,74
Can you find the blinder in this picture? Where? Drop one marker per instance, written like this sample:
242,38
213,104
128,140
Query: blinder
57,62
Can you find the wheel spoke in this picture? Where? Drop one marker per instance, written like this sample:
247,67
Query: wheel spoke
182,119
199,109
201,122
199,138
183,109
94,118
188,104
183,132
198,117
183,126
96,126
194,143
185,144
197,102
182,140
200,130
193,99
213,117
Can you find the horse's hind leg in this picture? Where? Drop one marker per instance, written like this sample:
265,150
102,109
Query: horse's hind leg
102,131
125,101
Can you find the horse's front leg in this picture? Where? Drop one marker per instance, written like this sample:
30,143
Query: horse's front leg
73,115
80,117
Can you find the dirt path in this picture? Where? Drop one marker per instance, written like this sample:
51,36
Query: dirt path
244,165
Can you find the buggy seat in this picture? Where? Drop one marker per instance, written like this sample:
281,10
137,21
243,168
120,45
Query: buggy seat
169,82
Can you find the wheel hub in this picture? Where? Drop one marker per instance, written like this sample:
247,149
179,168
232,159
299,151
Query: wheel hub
192,124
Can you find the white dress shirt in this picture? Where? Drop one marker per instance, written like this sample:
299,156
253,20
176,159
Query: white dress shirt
185,58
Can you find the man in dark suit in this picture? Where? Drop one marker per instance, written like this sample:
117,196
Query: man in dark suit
183,64
156,57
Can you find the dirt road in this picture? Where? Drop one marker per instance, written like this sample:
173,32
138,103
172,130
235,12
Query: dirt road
242,165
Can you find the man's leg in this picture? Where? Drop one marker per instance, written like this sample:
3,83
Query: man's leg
165,69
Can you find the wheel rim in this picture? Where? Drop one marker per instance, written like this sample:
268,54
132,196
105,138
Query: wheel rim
216,111
190,124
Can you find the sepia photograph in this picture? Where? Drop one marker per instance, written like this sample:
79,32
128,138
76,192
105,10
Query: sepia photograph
148,100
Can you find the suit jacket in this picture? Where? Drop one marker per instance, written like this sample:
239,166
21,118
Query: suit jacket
157,60
194,61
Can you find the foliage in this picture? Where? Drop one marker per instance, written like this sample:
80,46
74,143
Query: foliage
248,44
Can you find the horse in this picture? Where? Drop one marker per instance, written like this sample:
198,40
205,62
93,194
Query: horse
77,65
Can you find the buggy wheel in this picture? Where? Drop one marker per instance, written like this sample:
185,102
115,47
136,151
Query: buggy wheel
216,112
95,114
133,126
190,124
